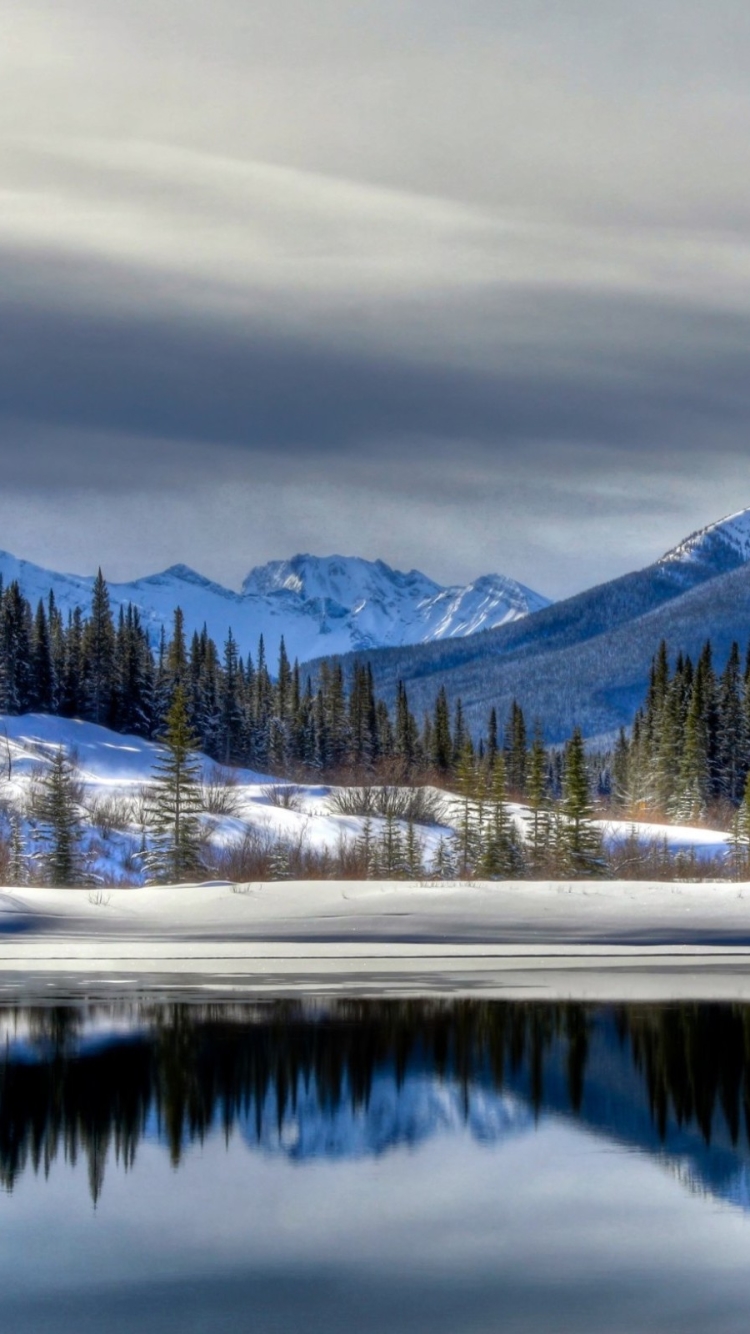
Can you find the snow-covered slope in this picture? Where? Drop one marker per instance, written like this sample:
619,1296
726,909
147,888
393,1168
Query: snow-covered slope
321,605
720,546
113,769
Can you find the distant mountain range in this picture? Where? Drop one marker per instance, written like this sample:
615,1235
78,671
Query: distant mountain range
321,605
585,661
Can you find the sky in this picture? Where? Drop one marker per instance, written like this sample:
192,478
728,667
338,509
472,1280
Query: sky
463,287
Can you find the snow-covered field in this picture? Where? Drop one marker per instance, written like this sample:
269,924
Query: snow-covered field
591,939
112,766
614,940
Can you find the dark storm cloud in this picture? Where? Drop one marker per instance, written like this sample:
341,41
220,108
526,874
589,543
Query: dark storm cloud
464,293
618,372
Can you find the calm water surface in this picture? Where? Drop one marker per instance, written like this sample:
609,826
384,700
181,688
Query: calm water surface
454,1167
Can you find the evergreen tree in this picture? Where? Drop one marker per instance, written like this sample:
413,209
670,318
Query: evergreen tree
739,837
58,824
366,848
230,709
515,750
99,655
442,744
731,731
17,859
694,776
469,828
42,687
443,865
176,801
413,853
538,839
581,841
500,855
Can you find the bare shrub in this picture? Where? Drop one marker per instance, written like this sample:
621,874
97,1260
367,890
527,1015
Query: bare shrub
247,858
418,805
220,792
261,855
99,899
286,796
637,858
109,811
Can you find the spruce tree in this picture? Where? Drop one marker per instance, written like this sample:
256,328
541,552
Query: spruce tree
17,853
500,853
581,841
175,801
538,838
99,655
469,827
442,745
42,687
739,837
58,823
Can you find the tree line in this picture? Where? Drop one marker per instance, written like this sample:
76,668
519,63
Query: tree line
688,754
106,671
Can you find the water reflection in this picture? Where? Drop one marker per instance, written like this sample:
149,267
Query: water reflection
355,1080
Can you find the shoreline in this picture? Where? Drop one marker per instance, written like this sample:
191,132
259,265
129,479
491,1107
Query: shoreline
605,941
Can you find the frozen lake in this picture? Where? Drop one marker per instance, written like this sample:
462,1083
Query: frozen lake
397,1166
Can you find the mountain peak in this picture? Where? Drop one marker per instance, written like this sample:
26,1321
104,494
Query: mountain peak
722,545
343,579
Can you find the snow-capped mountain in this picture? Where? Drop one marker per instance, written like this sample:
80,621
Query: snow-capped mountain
321,605
720,546
585,661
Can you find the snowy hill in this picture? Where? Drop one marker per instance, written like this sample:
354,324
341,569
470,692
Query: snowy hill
718,547
320,605
113,769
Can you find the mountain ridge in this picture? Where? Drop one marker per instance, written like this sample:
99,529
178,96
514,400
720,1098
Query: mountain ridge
317,604
585,661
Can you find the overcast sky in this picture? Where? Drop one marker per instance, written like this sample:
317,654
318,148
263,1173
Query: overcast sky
466,287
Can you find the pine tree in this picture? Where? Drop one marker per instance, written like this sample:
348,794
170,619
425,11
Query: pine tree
176,802
58,824
500,854
732,734
443,866
413,853
694,776
581,841
230,711
17,867
739,837
42,688
468,830
99,655
390,849
366,848
515,750
538,840
492,746
442,745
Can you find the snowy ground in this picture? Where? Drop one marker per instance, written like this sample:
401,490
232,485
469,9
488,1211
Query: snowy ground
597,941
585,940
115,766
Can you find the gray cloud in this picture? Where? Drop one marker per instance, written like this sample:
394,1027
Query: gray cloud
465,294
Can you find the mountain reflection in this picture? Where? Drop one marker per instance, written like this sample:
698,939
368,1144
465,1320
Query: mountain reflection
356,1079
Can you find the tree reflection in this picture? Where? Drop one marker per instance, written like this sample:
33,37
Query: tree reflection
93,1081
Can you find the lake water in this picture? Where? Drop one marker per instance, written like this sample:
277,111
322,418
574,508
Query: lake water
458,1168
